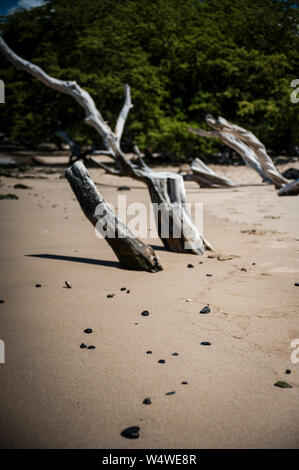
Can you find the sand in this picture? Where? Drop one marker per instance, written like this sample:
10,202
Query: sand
55,395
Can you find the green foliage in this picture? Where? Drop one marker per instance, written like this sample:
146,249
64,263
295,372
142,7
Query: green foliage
183,59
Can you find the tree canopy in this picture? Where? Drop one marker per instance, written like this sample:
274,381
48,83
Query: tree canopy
182,59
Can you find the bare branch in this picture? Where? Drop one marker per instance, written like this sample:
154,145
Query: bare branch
119,128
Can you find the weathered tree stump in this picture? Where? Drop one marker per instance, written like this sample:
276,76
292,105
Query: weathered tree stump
131,252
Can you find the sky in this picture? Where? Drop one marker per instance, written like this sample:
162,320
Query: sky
7,6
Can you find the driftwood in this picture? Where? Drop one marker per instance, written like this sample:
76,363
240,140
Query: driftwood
162,187
246,144
131,252
291,189
206,177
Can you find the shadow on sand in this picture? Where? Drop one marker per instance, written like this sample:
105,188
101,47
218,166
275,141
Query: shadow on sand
99,262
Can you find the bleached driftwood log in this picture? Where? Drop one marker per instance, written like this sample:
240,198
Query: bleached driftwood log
246,144
160,189
290,189
131,252
206,177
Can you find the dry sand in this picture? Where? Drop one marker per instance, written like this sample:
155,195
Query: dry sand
56,395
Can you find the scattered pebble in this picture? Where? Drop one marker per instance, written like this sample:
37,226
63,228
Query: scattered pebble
123,188
123,288
201,262
8,196
127,292
161,361
188,300
209,275
149,352
88,330
21,186
67,285
131,433
184,382
147,401
296,284
205,343
282,384
206,309
2,301
253,264
170,393
91,347
175,354
243,269
110,296
145,313
288,371
190,265
38,285
83,346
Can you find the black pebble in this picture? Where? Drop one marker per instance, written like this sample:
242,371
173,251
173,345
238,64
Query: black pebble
190,265
184,382
206,343
209,275
110,296
83,346
206,309
88,330
123,188
91,347
201,262
170,393
149,352
2,301
296,284
288,371
123,288
128,292
161,361
38,285
131,433
145,313
175,354
147,401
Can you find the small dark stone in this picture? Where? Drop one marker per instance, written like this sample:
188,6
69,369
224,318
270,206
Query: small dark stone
38,285
206,309
147,401
145,313
282,384
110,296
83,346
2,301
205,343
88,330
296,284
288,371
149,352
21,186
175,354
123,188
201,262
123,288
131,433
8,196
91,347
128,292
190,265
209,275
253,264
184,382
170,393
161,361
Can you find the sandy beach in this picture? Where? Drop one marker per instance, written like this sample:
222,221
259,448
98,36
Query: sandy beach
55,394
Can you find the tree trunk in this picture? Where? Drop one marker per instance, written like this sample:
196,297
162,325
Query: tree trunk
131,252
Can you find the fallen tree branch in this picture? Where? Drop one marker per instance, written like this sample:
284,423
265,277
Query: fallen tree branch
290,189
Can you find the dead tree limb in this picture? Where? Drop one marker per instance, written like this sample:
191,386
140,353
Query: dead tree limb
290,189
206,177
162,187
131,252
247,145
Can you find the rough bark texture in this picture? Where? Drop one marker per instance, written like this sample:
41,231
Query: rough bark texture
247,145
204,176
291,189
131,252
